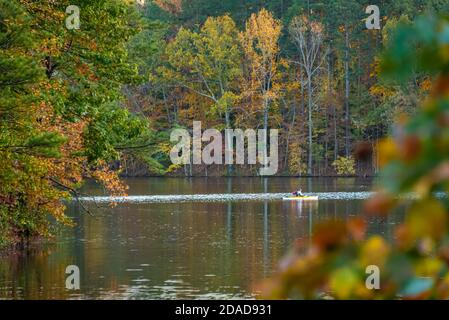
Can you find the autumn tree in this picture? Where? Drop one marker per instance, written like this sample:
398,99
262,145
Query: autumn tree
207,63
308,37
61,107
172,6
25,197
260,42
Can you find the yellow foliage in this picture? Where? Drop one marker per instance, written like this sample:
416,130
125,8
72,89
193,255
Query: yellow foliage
344,282
344,165
374,252
260,44
432,224
428,267
387,151
296,165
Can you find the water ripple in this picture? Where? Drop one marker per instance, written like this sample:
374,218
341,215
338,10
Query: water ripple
222,197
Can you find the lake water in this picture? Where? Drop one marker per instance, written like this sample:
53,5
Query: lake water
181,247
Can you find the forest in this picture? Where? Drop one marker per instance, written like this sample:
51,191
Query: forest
307,68
97,102
100,101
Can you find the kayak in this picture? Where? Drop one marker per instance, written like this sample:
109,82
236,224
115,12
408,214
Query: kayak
305,198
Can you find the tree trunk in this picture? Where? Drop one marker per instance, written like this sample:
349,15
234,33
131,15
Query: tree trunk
309,122
265,114
229,167
329,106
167,109
290,129
347,121
265,127
301,80
334,111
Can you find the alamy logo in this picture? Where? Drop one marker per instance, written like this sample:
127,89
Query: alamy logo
373,280
259,150
373,21
73,20
72,282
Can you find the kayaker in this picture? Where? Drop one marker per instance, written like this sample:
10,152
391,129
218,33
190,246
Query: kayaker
298,193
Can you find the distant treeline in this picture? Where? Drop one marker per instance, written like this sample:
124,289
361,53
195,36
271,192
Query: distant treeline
308,68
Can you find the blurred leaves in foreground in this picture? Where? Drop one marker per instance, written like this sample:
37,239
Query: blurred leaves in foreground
415,174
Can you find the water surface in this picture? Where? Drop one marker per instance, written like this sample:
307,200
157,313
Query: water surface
179,249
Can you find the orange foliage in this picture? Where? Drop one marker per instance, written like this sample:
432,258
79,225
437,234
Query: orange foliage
172,6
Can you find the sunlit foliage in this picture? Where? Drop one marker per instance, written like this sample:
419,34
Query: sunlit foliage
61,117
344,165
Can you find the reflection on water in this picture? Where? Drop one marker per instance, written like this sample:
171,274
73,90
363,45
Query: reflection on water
178,250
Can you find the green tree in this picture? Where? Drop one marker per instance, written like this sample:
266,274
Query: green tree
61,106
207,63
